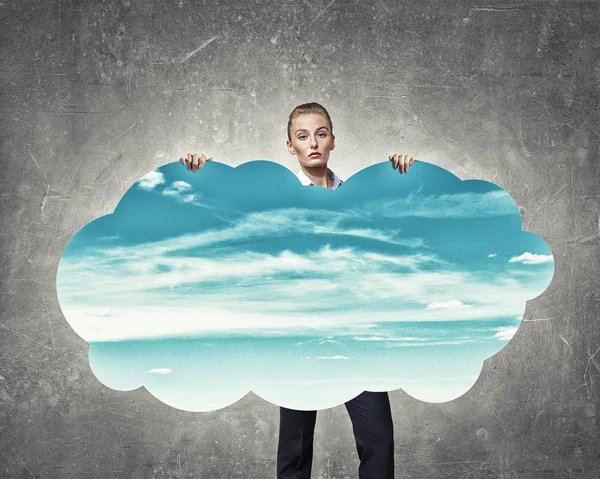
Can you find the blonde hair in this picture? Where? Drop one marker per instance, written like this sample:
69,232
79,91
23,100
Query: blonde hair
304,109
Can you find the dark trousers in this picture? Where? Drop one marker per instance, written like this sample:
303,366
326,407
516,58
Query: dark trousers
373,430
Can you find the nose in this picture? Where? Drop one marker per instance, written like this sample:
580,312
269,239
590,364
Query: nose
313,142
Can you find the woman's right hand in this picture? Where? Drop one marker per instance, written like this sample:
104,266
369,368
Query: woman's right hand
194,161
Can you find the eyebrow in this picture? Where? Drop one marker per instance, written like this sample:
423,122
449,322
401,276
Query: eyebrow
320,128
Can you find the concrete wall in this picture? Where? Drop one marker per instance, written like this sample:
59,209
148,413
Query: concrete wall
97,93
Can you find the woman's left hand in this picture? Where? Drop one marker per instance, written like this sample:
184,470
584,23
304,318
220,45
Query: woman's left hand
402,162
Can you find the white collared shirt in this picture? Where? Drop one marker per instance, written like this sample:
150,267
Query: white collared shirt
335,179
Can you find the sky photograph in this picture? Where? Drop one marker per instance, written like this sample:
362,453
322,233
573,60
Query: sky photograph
202,287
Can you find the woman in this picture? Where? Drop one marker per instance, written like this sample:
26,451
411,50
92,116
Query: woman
311,139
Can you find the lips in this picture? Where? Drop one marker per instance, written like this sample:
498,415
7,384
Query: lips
314,155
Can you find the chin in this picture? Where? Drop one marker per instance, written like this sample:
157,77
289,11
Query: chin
310,162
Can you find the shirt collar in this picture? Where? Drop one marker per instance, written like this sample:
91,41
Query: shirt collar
305,180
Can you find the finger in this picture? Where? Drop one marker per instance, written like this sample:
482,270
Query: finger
195,162
402,162
203,159
182,160
190,161
395,161
406,163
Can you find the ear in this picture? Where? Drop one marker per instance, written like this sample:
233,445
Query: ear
332,142
290,148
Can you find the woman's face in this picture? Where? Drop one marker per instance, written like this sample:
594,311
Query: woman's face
311,139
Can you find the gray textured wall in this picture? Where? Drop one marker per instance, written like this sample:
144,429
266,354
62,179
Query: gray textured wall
97,93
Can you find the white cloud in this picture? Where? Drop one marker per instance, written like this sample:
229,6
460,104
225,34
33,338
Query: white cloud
451,304
151,180
332,357
436,343
331,285
155,321
492,255
160,371
262,224
138,271
110,237
386,236
409,261
506,333
386,338
180,192
99,313
457,205
200,315
176,188
253,291
532,258
180,186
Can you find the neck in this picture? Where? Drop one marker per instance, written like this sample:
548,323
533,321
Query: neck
318,175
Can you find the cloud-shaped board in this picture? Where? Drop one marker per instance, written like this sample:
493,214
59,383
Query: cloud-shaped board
205,286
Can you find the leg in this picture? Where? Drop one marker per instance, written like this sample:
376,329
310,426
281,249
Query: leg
374,433
295,450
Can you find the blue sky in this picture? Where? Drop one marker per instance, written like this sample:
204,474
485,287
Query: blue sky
247,252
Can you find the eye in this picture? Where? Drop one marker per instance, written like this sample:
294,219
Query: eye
302,137
322,134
